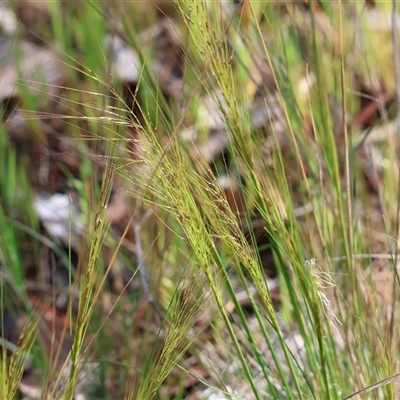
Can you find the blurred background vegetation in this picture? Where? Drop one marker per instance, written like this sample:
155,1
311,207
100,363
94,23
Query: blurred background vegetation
199,199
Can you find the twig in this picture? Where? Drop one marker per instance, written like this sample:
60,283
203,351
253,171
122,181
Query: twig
144,273
377,385
12,348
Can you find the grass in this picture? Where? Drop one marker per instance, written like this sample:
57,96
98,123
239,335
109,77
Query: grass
191,258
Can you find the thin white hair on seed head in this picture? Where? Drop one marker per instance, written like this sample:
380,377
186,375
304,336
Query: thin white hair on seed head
323,280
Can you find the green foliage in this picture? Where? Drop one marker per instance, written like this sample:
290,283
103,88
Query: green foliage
323,341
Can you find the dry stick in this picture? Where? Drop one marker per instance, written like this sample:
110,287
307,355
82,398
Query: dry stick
392,379
142,268
144,275
122,242
397,79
